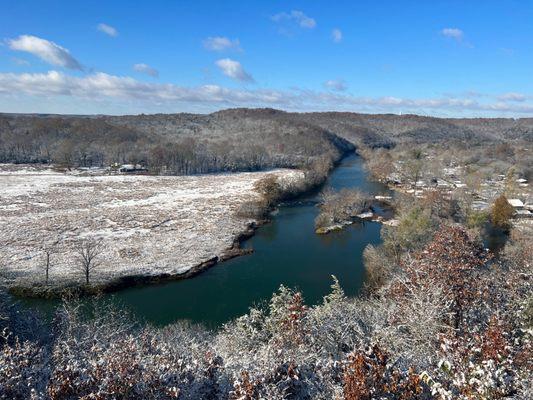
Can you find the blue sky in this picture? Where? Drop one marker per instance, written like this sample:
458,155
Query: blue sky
445,58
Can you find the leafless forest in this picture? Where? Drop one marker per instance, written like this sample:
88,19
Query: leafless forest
232,140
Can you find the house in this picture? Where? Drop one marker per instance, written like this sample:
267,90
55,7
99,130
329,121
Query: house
383,198
516,203
132,168
394,179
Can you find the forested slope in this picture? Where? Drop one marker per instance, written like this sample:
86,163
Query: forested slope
183,143
231,140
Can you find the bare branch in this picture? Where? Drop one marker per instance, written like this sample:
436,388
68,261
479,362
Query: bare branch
88,254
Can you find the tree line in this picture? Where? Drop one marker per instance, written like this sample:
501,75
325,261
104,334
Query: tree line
164,148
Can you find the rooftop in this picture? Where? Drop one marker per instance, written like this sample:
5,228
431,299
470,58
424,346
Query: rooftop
516,202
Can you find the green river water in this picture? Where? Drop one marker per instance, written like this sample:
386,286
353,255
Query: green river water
286,251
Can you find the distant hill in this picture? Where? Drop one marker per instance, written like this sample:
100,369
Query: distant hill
381,129
233,139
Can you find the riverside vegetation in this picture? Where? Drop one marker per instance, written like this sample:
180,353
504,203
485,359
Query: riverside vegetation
338,208
440,317
444,320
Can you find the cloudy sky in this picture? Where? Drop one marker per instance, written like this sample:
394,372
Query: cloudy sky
444,58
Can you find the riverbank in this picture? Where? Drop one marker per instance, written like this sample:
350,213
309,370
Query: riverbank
150,228
283,251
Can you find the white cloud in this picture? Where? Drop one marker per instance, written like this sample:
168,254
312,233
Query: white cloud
99,86
107,29
454,33
234,70
512,96
336,35
221,43
296,16
46,50
96,92
146,69
336,84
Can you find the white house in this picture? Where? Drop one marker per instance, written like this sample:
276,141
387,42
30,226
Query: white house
516,203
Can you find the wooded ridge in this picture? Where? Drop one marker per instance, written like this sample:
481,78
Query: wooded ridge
233,139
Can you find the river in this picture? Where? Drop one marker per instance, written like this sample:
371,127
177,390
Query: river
286,251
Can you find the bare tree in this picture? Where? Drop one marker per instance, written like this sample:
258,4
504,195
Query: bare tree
88,253
47,264
414,166
411,164
3,265
379,163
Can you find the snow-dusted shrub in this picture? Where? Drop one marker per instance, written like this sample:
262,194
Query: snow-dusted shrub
106,357
370,375
378,269
450,323
23,368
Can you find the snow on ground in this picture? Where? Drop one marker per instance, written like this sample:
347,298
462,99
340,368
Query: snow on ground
149,225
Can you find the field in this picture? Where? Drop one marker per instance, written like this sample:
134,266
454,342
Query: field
148,225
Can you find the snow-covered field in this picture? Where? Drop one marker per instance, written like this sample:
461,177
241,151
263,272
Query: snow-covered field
149,225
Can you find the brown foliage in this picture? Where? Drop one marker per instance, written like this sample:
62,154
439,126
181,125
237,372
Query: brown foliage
19,363
501,212
292,323
368,376
244,388
452,259
269,188
495,344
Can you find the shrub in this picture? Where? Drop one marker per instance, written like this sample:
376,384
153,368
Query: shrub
377,268
414,230
269,188
477,219
368,375
501,213
449,323
253,209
